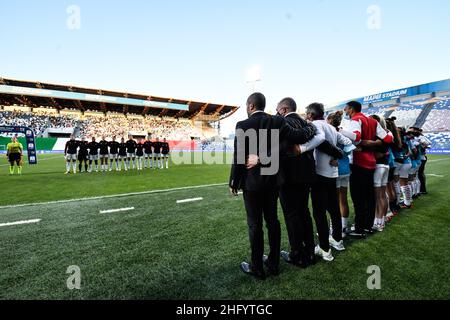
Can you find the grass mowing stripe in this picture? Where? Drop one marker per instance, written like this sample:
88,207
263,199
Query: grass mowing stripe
124,195
9,224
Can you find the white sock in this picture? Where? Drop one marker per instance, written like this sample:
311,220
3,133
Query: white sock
74,166
344,223
406,190
398,191
67,166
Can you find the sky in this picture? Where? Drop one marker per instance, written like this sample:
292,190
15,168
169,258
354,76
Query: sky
312,50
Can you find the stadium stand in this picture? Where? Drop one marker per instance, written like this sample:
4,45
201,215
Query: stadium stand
439,140
379,110
407,114
439,117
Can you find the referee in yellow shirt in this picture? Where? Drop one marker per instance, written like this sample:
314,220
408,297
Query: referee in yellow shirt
14,153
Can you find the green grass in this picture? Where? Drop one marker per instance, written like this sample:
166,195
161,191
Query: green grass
163,250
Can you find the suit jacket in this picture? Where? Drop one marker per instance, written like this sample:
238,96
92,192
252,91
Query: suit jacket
297,169
253,180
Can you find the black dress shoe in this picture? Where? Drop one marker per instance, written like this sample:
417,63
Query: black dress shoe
273,271
301,263
247,269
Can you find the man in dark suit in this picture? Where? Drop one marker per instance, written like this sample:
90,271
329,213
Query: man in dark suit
259,183
297,174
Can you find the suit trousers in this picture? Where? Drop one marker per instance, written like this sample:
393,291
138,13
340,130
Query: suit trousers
294,201
363,196
324,198
422,176
263,205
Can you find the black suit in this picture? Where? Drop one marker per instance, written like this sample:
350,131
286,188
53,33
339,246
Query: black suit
297,174
260,191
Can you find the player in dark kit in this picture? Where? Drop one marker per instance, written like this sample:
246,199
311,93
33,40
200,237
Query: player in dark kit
104,154
70,151
114,153
157,153
93,154
148,153
123,155
140,154
83,155
165,154
131,152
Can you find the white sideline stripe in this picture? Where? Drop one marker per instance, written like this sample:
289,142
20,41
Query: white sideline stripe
189,200
438,160
9,224
435,175
112,196
117,210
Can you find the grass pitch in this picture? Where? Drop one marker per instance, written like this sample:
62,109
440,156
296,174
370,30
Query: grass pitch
165,250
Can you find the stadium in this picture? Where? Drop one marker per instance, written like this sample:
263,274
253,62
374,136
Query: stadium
215,159
178,234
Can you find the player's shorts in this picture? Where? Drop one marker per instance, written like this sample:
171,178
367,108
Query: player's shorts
165,155
148,155
71,157
104,156
14,157
343,182
131,155
93,157
402,170
391,174
83,157
122,156
114,156
139,155
157,155
414,170
381,176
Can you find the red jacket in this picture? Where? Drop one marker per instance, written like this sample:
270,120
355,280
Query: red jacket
370,130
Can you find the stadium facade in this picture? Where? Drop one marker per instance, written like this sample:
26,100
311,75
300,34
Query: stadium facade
425,106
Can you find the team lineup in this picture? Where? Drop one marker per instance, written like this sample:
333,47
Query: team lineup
104,155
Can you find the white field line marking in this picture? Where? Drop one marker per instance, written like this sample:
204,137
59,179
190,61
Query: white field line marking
39,160
438,160
435,175
117,210
189,200
124,195
9,224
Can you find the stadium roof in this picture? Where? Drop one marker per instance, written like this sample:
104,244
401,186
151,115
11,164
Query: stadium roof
37,94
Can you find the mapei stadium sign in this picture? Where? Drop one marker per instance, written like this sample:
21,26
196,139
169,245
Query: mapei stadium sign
385,96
